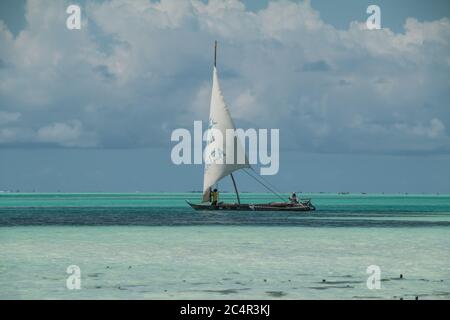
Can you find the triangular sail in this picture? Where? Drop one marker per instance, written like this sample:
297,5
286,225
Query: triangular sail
219,119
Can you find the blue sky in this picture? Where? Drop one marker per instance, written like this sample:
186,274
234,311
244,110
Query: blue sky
92,110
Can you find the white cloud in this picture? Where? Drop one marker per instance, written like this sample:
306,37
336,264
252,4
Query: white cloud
7,135
69,134
245,105
7,117
435,129
136,65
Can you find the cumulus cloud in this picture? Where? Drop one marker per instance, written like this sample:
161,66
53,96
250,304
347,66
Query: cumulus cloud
138,69
7,117
66,134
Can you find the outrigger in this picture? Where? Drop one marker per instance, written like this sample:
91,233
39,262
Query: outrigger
220,120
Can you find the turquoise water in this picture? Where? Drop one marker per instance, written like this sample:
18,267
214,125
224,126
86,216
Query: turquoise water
153,246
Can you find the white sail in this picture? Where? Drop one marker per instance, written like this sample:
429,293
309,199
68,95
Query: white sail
215,156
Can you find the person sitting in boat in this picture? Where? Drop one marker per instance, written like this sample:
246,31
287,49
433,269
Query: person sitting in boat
215,197
293,198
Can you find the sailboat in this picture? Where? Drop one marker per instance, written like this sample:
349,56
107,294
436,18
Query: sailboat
220,120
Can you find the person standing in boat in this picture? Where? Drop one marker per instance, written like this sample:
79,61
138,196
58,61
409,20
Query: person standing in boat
293,198
215,197
210,194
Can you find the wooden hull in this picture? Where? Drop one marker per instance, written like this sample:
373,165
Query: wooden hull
274,206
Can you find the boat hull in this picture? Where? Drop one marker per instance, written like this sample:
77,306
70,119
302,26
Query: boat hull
274,206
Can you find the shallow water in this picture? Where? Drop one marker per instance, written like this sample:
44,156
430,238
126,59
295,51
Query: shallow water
153,246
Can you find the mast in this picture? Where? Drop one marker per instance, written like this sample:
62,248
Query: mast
235,188
215,52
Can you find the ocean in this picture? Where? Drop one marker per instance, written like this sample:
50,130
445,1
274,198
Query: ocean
154,246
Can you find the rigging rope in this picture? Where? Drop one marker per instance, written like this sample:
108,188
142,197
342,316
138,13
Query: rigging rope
266,181
268,188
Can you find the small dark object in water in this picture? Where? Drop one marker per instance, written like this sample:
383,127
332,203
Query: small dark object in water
401,276
417,297
107,267
276,294
401,298
226,291
323,280
129,267
184,280
265,280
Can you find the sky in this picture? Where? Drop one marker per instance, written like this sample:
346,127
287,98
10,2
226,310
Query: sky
93,109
